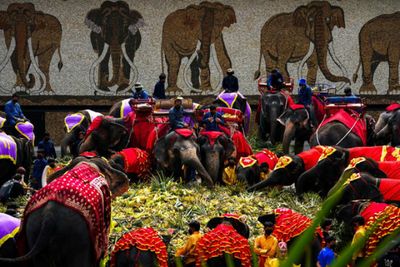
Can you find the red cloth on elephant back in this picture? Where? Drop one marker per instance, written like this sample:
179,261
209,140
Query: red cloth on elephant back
266,156
143,239
319,108
95,124
136,161
371,209
390,189
212,136
289,224
390,168
295,106
184,132
393,107
351,120
311,156
378,153
223,239
85,191
161,129
243,149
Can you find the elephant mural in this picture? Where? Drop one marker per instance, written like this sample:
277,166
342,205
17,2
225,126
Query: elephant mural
114,32
182,30
311,26
379,40
30,34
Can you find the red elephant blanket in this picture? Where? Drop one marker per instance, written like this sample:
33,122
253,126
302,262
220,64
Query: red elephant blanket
393,107
85,191
351,120
264,156
243,149
378,153
143,239
212,136
390,189
390,168
387,218
136,161
220,240
310,157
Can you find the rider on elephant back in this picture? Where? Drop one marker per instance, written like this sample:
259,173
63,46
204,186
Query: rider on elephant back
275,80
305,98
230,83
213,119
140,93
176,115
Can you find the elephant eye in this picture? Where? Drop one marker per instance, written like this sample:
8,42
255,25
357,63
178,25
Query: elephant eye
328,19
310,19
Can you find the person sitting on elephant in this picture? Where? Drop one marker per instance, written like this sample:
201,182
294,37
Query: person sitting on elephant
140,93
229,176
358,222
265,245
305,98
13,113
176,114
187,251
230,83
213,119
159,88
275,80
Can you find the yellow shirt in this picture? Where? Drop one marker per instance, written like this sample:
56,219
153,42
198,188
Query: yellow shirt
265,247
275,262
360,233
187,250
229,175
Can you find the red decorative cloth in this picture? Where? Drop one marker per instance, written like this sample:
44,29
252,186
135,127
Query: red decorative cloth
94,125
211,135
390,189
220,240
319,108
378,153
289,224
390,168
393,107
388,221
143,239
351,120
310,157
372,209
289,100
243,149
266,156
184,132
88,154
161,129
85,191
136,161
296,106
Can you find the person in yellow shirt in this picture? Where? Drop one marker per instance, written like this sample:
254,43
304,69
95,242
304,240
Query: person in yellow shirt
187,251
265,245
229,174
358,223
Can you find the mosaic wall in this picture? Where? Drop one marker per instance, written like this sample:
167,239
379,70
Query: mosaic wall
75,47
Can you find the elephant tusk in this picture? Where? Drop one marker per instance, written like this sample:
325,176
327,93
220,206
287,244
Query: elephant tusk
5,61
36,67
220,71
93,67
337,62
304,60
185,70
135,72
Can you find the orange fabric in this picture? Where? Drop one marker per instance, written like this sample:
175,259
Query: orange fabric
243,149
349,118
136,161
143,239
310,157
220,240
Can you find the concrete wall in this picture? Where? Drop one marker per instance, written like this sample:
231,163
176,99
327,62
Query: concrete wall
241,39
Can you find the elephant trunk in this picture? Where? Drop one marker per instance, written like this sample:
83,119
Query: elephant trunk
66,142
290,130
190,158
115,51
382,121
213,165
274,124
322,42
21,37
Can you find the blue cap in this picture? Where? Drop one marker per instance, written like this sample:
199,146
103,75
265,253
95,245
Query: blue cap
302,82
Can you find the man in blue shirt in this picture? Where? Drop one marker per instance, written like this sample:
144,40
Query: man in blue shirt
176,114
212,119
159,88
13,111
326,255
48,146
305,98
139,93
38,166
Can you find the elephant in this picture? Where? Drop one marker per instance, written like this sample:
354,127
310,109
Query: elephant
8,236
75,125
272,107
387,127
120,109
61,214
115,31
179,148
28,34
146,248
312,27
135,162
289,168
16,152
182,30
378,39
215,148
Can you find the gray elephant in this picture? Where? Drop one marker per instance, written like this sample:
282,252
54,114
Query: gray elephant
76,125
177,149
387,127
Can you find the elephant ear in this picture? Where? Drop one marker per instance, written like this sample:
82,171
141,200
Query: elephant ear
160,150
230,16
40,21
337,18
4,24
228,145
137,21
93,19
300,16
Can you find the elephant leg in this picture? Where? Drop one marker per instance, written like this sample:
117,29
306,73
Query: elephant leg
44,61
205,79
103,70
195,73
367,58
282,66
14,63
393,59
222,54
298,145
173,60
312,66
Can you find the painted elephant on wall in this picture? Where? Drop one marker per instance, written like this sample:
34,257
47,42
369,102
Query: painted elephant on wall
311,26
30,34
379,40
182,30
114,32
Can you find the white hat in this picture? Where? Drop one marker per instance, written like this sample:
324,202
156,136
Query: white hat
230,70
179,98
138,85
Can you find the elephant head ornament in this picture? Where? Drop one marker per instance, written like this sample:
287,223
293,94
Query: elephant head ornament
115,32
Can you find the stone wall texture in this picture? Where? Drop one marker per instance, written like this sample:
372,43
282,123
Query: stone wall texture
213,36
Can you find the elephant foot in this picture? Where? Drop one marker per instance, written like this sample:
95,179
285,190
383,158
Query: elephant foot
122,87
368,89
173,90
394,90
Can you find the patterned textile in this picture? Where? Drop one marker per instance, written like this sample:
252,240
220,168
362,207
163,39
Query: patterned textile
186,133
73,120
211,135
136,161
85,191
26,130
161,129
372,209
220,240
8,147
311,157
9,227
264,156
351,120
229,100
143,239
393,107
